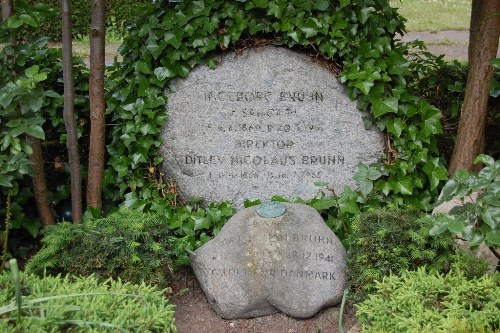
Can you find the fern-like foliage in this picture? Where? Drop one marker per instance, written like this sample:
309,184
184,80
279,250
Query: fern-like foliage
390,241
133,246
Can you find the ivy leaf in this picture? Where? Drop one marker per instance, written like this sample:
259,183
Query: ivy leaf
40,77
130,199
14,22
309,32
456,226
295,35
32,71
322,5
274,10
323,204
395,126
172,39
384,106
28,20
461,176
201,222
485,159
35,131
260,3
162,73
404,186
364,14
365,186
212,63
385,187
493,238
32,226
364,86
438,228
490,216
197,7
6,99
432,123
5,180
143,67
344,3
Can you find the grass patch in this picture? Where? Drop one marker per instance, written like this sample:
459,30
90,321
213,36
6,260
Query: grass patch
434,15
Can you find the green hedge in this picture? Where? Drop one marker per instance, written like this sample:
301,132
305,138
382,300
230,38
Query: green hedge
123,12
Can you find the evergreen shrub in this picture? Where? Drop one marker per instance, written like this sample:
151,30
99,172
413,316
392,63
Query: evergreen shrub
392,240
420,301
133,246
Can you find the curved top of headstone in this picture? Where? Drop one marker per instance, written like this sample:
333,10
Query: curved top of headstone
267,121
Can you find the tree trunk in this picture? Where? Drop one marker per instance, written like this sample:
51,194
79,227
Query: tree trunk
7,9
97,105
39,183
470,137
68,114
475,18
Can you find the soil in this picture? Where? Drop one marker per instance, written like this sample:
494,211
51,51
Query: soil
194,315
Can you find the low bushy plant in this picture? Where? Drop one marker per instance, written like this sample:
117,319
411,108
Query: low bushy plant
389,241
82,304
130,244
477,220
420,301
133,246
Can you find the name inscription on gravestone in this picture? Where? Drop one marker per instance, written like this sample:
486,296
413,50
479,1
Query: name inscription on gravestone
290,247
255,266
267,122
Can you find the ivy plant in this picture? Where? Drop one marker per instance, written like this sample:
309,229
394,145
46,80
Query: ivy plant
355,36
476,220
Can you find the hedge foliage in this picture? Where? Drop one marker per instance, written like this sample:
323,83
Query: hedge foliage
119,12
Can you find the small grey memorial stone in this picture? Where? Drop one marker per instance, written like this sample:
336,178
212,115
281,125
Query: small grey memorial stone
268,121
257,266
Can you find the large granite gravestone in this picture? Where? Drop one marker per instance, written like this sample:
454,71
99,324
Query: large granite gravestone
264,122
257,266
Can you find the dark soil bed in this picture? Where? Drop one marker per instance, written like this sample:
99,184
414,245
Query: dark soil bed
194,315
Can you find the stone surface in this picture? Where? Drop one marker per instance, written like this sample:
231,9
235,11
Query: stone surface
482,251
268,121
257,266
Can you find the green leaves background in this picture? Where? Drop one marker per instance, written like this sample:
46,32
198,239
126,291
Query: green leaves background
172,38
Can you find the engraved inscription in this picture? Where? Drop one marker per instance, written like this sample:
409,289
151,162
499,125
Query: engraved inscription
277,273
263,125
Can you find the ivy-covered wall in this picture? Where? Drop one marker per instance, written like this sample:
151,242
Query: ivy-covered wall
355,36
121,11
